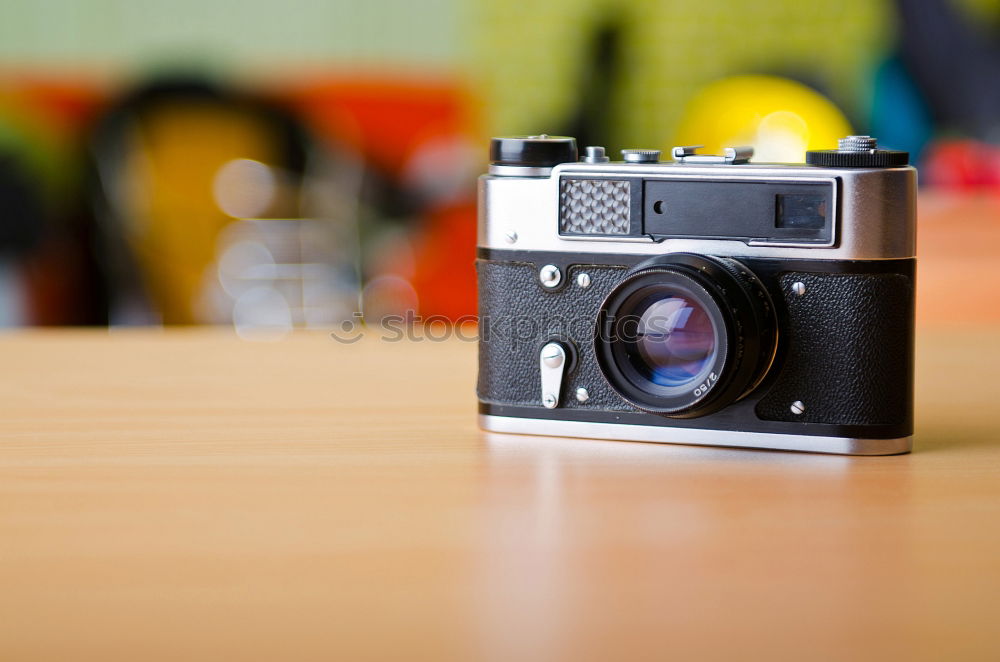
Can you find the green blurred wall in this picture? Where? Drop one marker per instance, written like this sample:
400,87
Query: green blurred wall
527,61
668,50
126,34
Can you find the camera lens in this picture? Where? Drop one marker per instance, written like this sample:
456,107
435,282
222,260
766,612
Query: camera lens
684,335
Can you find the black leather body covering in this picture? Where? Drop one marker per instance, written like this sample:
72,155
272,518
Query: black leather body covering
845,347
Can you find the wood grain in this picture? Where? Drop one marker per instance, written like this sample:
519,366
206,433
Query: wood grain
188,495
958,275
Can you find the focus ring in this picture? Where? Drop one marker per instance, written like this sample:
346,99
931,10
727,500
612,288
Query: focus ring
766,317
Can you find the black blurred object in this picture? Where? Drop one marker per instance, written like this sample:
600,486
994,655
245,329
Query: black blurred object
602,74
128,300
22,217
196,90
955,64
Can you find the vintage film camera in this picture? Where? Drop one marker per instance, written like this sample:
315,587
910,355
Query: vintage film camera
707,300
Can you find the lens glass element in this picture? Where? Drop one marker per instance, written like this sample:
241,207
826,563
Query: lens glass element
675,340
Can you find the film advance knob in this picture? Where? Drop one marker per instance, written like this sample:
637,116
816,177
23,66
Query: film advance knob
542,151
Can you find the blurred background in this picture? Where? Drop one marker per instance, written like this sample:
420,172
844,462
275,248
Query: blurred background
277,165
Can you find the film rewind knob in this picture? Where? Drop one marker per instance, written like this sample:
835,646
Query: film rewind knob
541,151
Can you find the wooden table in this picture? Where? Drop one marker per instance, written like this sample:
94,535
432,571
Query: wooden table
188,495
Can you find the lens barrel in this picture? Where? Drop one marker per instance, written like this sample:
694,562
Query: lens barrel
684,335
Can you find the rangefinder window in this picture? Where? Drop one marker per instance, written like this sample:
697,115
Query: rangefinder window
801,212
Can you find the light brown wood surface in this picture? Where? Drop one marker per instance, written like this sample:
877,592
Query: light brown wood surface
187,495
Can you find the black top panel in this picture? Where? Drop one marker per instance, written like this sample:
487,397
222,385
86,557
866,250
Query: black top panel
778,212
759,212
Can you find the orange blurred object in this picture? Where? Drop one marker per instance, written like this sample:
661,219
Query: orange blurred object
385,119
389,122
445,277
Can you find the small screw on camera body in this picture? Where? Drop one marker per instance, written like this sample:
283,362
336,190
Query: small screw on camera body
550,276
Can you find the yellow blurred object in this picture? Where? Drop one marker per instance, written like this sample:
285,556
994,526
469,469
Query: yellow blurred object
174,218
779,118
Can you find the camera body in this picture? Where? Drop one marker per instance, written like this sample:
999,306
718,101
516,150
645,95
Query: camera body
707,300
